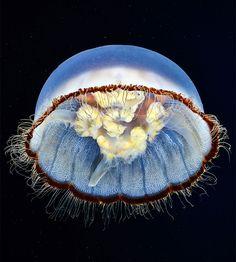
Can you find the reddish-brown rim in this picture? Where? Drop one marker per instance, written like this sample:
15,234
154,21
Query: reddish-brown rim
213,125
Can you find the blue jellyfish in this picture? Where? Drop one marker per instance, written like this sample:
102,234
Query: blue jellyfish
116,127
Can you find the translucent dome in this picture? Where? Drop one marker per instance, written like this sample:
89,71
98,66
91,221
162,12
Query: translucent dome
116,64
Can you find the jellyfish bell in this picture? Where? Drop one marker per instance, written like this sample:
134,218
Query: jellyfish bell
115,126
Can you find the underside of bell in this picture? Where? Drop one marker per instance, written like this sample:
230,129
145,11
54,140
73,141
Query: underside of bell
123,142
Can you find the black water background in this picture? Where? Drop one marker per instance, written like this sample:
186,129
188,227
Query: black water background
200,37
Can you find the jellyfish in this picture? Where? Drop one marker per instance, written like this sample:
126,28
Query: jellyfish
116,127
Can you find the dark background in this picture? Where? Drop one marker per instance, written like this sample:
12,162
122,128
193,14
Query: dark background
200,37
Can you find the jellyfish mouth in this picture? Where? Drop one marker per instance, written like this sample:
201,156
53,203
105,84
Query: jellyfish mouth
122,122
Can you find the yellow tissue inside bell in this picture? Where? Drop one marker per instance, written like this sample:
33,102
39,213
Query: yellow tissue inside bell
121,121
